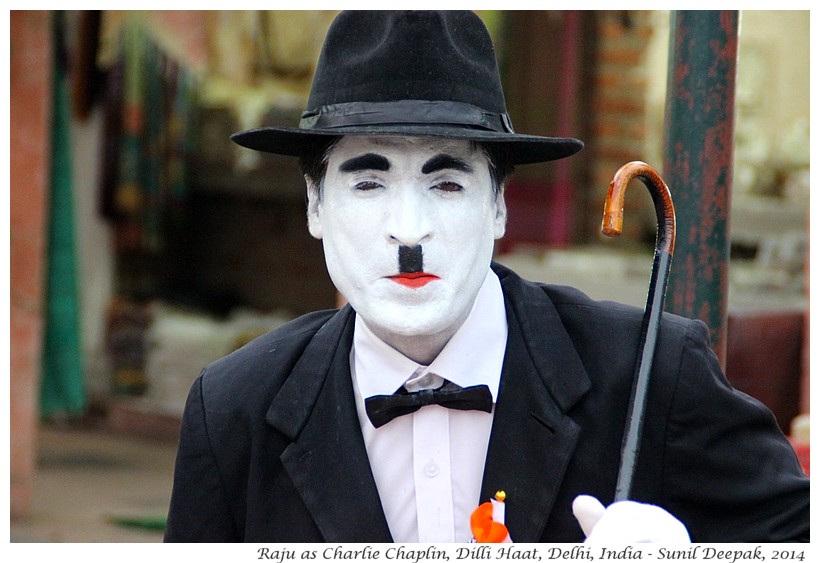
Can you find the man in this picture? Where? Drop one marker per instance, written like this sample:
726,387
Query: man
500,384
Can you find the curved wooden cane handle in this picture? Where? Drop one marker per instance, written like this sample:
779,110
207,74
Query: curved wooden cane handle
612,223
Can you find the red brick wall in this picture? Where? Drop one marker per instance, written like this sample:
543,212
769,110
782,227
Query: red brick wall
608,113
30,82
618,114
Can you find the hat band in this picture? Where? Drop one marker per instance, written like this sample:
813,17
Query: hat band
415,112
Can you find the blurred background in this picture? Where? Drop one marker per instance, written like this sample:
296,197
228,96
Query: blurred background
144,244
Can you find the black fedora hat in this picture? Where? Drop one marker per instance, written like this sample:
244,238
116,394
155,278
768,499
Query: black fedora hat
418,73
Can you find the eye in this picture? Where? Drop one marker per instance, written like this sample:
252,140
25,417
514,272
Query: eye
448,187
367,186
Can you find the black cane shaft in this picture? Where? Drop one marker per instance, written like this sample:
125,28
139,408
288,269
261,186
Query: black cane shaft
637,407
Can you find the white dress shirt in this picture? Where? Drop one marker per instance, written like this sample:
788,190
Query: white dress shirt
428,465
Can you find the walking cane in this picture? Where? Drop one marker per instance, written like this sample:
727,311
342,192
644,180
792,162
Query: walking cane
611,226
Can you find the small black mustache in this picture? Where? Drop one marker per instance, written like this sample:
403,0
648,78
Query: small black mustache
410,259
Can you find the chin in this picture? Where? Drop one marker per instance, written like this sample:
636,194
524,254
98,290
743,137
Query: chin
412,323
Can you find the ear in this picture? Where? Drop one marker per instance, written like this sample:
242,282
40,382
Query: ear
314,210
500,223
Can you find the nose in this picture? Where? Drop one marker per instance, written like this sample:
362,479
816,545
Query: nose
409,223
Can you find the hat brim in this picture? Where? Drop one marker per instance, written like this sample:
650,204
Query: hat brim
520,149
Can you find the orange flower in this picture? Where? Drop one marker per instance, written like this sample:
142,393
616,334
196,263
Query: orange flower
484,528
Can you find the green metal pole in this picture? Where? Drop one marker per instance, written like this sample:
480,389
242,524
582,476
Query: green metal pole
698,153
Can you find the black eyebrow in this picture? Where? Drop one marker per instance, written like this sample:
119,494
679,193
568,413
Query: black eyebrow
444,162
369,161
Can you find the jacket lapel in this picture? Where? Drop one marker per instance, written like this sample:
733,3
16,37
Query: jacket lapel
532,438
327,460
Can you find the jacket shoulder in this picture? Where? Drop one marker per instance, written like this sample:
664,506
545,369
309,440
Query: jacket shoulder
575,306
599,325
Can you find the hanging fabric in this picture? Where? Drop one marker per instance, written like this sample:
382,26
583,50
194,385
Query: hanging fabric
151,108
62,390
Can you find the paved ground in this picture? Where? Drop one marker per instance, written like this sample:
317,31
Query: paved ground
92,485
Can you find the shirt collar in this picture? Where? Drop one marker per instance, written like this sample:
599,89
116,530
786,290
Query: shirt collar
473,356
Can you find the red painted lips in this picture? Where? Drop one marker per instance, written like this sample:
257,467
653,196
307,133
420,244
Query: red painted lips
414,280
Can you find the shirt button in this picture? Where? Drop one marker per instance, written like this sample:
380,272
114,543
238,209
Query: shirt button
431,469
425,381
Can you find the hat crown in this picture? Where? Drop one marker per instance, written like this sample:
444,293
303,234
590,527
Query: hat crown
409,73
386,56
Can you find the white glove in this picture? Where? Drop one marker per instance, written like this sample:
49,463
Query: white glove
627,522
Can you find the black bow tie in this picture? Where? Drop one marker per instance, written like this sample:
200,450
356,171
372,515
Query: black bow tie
381,409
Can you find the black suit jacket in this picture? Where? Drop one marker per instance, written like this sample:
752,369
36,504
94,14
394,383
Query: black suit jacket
271,449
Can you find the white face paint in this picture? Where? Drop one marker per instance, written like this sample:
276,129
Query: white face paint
384,193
